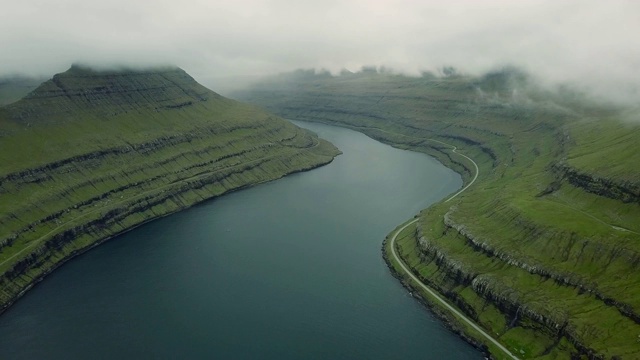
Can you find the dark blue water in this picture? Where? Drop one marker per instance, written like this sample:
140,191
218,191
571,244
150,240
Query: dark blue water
286,270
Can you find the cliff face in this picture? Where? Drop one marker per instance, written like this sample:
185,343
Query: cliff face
90,154
624,191
542,250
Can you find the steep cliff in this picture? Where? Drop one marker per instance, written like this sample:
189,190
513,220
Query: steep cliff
90,154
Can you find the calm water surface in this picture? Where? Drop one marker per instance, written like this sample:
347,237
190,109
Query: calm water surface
287,270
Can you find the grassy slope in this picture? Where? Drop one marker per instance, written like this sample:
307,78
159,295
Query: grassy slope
530,250
91,154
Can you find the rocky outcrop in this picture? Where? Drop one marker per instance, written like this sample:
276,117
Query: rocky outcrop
626,192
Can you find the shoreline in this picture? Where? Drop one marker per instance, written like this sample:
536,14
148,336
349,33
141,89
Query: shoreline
446,317
78,252
442,315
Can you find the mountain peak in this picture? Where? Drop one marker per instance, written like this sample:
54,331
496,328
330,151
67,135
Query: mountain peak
110,92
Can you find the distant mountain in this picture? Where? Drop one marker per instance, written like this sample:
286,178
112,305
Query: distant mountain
14,88
543,249
90,154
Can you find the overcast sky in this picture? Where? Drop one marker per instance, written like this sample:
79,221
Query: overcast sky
594,43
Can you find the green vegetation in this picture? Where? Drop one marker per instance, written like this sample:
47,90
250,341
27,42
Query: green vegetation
88,155
543,249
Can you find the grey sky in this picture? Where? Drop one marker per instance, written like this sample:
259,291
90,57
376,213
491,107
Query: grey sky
594,43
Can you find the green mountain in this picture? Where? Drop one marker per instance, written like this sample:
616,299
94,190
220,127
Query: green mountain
542,250
90,154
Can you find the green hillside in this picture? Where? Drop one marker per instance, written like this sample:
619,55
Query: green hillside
90,154
543,249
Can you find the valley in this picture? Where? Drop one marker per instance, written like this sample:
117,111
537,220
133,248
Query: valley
542,249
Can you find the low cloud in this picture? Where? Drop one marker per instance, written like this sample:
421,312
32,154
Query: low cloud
592,44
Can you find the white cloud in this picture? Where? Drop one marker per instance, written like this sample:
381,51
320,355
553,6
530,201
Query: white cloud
593,43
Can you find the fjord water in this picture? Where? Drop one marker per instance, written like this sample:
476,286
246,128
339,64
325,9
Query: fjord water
291,269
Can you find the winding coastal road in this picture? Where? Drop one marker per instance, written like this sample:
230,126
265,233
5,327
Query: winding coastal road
437,297
454,148
431,292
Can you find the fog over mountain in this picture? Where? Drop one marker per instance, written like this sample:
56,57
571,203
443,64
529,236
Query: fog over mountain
590,43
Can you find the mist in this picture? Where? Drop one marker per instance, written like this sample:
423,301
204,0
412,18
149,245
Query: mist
592,45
